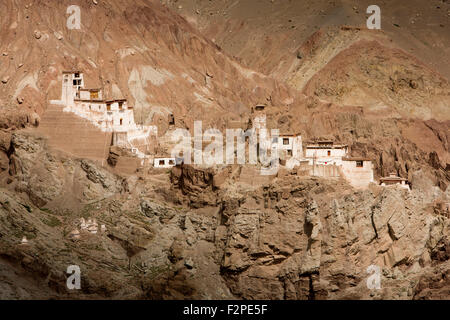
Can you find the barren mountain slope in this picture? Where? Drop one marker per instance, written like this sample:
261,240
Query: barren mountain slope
225,233
301,39
267,34
134,49
325,49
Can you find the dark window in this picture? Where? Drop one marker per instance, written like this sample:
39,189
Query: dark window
359,164
74,82
289,152
161,162
285,141
329,152
121,121
77,75
108,107
171,162
94,95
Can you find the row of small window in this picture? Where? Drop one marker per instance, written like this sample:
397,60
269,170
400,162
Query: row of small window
108,107
76,82
285,141
163,162
121,122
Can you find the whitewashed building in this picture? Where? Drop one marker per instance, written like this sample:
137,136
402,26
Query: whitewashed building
290,149
114,116
164,162
393,179
358,171
325,153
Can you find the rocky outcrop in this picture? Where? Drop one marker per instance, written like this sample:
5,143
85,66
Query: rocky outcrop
292,238
151,209
47,176
194,183
100,176
12,118
114,154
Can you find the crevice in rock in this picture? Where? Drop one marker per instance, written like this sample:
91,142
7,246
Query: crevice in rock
373,226
311,294
391,233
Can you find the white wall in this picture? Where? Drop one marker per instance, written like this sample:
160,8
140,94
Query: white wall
85,95
358,177
401,184
288,146
69,90
259,121
320,156
297,148
156,162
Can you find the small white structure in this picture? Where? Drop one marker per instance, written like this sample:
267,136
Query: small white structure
285,143
72,82
393,179
24,240
259,119
290,149
357,171
164,162
93,229
74,234
83,225
92,226
326,153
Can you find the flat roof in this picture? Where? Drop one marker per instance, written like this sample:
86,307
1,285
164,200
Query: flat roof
116,100
321,142
356,159
90,100
286,135
393,179
72,71
334,146
82,89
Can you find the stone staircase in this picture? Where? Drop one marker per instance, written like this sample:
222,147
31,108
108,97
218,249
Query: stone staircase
73,134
